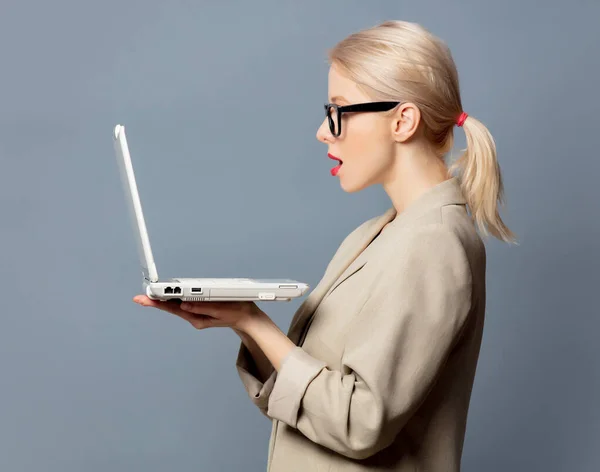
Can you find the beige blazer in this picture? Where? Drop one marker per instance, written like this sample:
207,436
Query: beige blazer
387,346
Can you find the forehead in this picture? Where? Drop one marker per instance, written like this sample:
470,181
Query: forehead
339,85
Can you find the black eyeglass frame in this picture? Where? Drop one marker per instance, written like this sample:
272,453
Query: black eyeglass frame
355,108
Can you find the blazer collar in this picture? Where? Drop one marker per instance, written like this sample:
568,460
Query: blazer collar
353,257
445,193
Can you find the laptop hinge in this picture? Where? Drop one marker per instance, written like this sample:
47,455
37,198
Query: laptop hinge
146,276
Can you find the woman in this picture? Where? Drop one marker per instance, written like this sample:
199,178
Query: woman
377,368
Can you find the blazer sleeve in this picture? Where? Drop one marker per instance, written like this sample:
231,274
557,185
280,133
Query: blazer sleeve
258,389
394,351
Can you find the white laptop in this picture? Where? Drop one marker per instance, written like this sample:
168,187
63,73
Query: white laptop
191,289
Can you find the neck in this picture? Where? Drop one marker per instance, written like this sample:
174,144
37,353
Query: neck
412,174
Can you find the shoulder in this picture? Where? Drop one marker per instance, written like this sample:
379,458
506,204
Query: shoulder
432,253
430,242
442,236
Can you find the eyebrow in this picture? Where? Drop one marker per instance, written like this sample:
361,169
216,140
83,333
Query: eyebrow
338,98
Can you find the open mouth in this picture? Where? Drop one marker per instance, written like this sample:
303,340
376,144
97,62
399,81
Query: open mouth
337,168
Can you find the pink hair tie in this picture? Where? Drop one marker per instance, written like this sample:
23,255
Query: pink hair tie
461,119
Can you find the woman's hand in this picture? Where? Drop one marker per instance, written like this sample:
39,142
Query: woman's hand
201,315
243,317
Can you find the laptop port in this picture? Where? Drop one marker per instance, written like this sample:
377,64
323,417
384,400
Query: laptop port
196,290
168,290
177,290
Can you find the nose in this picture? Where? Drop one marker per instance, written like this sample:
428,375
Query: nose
324,133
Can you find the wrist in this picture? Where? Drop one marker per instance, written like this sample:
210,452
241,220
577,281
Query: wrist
262,331
251,324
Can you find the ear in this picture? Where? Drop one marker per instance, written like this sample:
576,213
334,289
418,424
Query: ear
405,122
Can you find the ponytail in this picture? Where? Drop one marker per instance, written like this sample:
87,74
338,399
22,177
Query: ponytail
402,61
481,180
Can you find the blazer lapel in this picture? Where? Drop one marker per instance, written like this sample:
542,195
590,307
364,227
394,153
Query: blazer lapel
354,267
349,263
351,258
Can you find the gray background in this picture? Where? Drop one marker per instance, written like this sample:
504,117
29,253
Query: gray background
92,382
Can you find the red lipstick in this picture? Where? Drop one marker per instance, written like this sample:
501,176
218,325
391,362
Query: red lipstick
336,169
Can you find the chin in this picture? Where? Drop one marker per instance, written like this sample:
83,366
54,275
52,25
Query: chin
352,187
352,183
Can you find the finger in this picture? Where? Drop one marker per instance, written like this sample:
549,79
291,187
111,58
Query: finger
144,300
163,305
204,308
197,320
214,308
169,306
202,322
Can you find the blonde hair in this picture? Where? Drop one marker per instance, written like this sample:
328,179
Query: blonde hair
402,61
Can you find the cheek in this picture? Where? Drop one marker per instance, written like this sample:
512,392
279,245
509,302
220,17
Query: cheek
366,143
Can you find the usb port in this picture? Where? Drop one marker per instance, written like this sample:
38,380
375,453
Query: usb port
196,290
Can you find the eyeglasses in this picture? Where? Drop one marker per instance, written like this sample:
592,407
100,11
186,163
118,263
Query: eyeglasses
334,112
